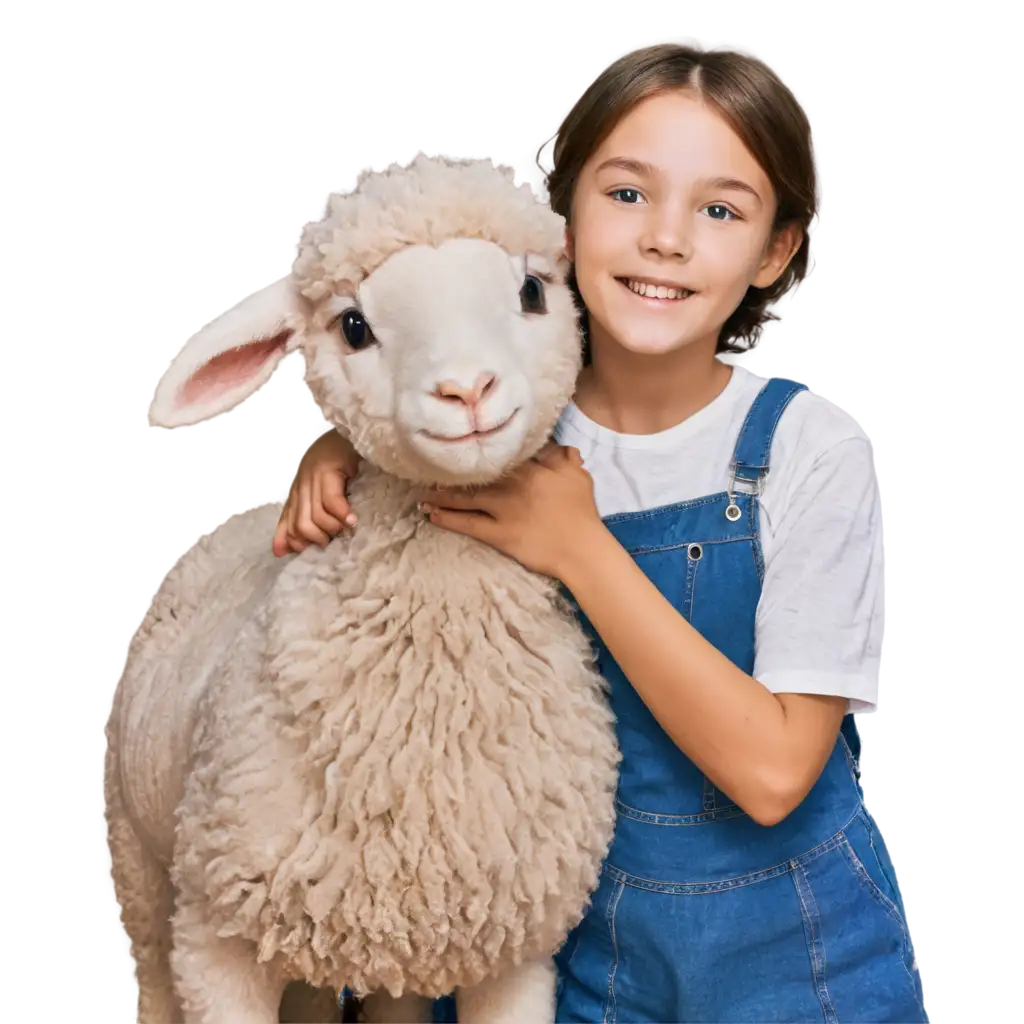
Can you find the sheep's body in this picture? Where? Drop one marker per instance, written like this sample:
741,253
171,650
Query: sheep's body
388,764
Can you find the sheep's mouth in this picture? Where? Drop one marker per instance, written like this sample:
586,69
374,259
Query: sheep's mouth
473,435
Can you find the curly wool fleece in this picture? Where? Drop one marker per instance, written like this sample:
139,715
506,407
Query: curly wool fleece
386,764
423,794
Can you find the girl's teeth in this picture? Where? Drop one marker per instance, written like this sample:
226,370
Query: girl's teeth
652,291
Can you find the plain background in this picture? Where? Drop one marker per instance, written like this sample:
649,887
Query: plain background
160,161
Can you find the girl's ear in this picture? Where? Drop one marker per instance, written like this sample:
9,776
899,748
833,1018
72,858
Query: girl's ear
570,247
781,248
231,357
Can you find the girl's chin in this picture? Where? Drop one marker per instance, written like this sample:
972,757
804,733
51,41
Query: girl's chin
646,345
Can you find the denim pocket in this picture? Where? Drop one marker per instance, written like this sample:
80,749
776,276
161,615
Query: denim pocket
866,854
860,949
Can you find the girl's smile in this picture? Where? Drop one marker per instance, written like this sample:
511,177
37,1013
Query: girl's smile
656,292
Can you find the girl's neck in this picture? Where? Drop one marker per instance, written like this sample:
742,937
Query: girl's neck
633,393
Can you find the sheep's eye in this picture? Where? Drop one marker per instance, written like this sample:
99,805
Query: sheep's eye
531,295
355,329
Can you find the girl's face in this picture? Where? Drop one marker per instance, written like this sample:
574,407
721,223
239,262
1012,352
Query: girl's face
671,223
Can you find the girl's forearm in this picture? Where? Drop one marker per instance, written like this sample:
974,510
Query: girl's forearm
734,729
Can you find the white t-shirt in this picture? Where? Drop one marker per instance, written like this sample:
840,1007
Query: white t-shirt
820,614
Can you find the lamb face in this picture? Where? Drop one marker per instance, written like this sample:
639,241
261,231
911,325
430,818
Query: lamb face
448,364
432,311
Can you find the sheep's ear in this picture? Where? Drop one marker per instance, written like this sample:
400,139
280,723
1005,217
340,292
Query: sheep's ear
232,356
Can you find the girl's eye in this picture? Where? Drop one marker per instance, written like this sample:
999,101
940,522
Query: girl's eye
729,215
627,195
355,330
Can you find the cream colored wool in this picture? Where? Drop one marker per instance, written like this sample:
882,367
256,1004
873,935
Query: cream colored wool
388,764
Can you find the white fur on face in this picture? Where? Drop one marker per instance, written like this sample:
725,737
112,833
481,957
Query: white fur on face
445,320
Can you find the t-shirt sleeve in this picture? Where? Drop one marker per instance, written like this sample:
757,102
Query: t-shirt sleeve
821,611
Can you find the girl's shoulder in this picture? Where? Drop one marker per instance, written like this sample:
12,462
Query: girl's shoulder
811,427
820,441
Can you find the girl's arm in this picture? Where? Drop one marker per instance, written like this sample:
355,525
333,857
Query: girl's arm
764,750
762,738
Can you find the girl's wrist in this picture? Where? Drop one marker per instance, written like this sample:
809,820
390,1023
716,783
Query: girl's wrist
340,446
591,547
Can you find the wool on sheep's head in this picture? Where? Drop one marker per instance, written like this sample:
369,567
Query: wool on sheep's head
431,307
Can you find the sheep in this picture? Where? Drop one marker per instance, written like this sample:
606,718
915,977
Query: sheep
388,764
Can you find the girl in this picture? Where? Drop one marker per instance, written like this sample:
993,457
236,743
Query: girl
720,534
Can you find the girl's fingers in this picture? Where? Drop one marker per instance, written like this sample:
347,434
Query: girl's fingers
305,528
486,500
334,499
295,542
316,509
320,514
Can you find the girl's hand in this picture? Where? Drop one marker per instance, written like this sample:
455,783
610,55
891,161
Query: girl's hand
317,508
541,515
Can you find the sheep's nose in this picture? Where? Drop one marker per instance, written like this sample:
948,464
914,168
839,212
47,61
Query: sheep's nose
471,396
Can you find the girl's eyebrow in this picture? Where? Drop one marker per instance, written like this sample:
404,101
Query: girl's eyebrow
626,163
735,185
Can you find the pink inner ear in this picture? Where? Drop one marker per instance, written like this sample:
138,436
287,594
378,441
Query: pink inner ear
227,371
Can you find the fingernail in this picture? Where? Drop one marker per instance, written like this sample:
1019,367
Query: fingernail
350,519
425,508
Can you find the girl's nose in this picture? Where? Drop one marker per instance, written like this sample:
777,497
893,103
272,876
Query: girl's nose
665,234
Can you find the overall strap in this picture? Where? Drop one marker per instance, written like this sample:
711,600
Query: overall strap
750,460
750,465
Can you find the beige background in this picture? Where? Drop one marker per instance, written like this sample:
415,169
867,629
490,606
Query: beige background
151,164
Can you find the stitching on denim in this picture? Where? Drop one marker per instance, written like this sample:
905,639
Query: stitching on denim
675,820
783,405
613,906
887,904
816,941
691,586
684,544
776,414
784,399
747,420
850,759
872,885
697,888
871,829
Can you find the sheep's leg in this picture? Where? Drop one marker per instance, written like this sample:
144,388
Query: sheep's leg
219,980
381,1008
144,891
523,995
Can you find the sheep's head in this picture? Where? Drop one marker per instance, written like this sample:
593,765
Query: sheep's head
431,307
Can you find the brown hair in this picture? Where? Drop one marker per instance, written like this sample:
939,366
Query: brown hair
752,100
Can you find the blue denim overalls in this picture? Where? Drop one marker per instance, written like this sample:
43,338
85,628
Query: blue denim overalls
702,915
